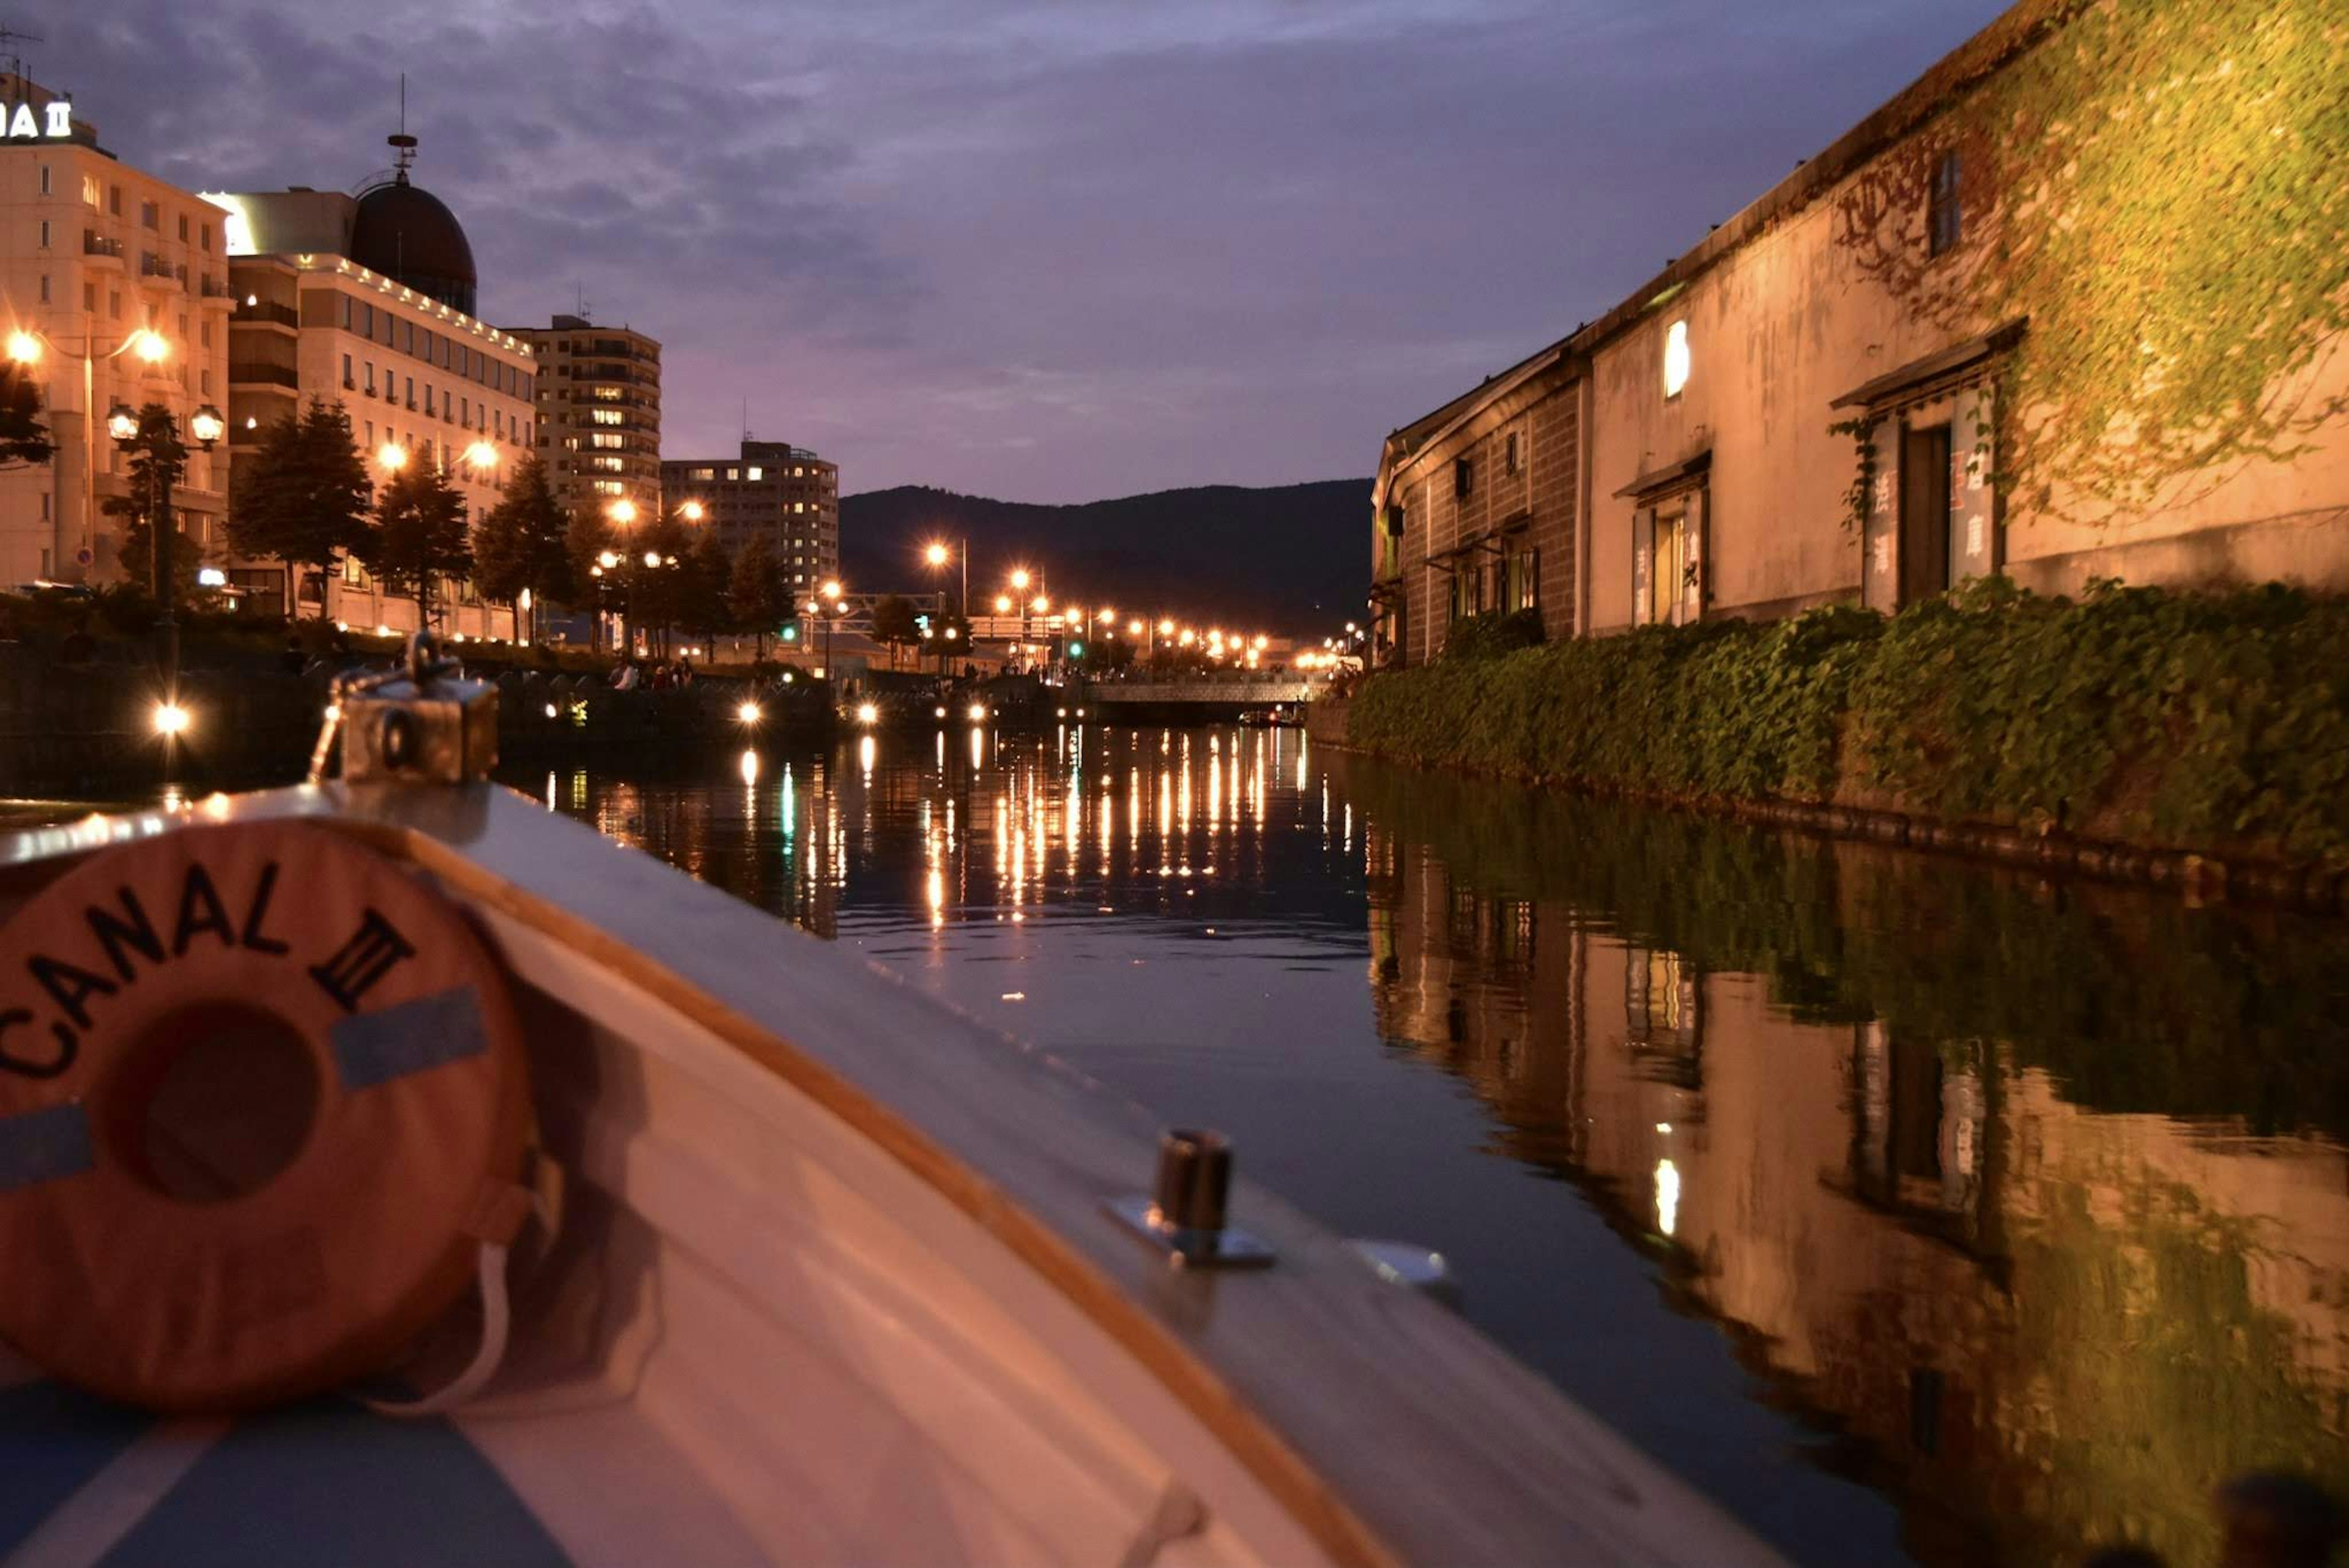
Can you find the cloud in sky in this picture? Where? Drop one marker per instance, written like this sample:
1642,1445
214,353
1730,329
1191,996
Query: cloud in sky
1043,249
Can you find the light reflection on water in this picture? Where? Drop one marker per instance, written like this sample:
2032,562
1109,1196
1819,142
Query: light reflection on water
1913,1210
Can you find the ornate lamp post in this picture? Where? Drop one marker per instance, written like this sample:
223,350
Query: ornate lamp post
26,346
157,434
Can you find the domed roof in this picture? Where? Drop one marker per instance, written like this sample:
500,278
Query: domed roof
410,235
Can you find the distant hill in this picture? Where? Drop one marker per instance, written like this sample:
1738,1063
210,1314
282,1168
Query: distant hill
1293,558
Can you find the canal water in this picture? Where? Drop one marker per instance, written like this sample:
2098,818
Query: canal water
1914,1211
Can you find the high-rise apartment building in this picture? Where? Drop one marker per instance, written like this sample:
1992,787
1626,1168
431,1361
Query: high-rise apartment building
368,301
113,290
598,414
784,493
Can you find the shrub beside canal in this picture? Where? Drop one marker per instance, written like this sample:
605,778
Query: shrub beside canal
2193,720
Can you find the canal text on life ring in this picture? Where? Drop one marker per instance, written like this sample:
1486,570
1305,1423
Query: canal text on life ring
262,1098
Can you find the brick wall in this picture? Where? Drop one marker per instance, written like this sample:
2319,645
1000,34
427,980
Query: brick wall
1541,493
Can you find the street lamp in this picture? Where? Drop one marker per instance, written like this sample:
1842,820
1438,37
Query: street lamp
692,512
392,456
830,591
156,433
623,511
936,555
27,347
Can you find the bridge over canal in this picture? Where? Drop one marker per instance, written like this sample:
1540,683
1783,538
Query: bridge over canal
1195,697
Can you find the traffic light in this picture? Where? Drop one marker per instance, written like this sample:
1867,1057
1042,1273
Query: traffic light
1076,649
788,632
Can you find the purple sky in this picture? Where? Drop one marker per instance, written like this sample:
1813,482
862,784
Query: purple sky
1047,250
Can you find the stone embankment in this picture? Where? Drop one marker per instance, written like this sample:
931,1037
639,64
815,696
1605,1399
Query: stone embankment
88,731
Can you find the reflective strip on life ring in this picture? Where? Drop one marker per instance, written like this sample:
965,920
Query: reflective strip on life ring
409,1055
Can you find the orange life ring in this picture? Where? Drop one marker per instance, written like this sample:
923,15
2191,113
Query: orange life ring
263,1093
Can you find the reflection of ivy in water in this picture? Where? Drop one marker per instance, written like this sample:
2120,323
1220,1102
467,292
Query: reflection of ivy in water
2159,187
2121,1361
2168,1376
2136,1002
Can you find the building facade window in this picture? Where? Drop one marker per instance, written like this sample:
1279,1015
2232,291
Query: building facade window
347,383
46,188
44,288
1525,580
45,233
1509,453
1676,358
1944,215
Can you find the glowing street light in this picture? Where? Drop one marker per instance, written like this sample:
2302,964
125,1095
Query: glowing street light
1134,629
748,713
481,456
170,718
936,555
1020,579
831,590
23,348
692,512
150,345
623,511
392,457
1003,603
867,714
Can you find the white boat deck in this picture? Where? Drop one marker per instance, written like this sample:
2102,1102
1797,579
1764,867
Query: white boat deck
833,1282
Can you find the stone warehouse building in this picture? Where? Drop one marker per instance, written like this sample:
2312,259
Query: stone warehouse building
2068,308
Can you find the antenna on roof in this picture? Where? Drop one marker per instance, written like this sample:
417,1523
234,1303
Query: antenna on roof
9,39
403,146
746,419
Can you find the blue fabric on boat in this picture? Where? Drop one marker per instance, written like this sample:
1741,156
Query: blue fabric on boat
43,1145
330,1482
52,1439
409,1037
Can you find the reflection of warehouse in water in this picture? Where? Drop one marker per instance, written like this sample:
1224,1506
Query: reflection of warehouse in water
2050,1326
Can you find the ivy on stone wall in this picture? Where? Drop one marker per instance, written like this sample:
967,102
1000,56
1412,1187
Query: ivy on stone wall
2195,720
1859,497
2159,187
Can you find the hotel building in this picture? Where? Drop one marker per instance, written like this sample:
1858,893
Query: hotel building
114,285
598,414
784,493
368,302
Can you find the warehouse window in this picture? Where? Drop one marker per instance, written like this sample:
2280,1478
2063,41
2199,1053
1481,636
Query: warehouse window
1944,215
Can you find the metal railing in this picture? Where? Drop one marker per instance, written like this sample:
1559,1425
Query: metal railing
265,375
283,315
94,243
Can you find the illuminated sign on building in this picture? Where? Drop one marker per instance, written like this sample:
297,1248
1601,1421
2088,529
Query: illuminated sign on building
53,121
